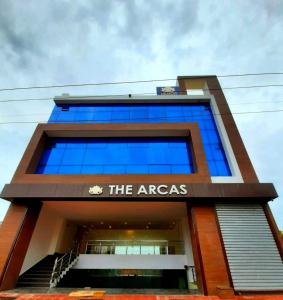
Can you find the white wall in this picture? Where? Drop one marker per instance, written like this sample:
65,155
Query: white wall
186,237
100,261
45,238
188,248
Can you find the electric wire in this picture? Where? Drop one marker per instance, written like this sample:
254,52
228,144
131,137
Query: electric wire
142,94
132,81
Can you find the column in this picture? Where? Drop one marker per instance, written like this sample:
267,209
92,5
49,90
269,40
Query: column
15,234
209,254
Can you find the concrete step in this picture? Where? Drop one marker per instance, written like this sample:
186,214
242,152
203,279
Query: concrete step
32,284
34,279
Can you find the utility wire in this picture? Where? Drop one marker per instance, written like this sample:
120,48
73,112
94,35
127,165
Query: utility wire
129,82
155,118
251,74
232,104
25,99
144,94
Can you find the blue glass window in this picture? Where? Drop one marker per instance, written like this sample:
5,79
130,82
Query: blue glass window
152,113
116,156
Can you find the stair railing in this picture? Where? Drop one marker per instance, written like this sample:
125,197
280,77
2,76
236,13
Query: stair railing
62,265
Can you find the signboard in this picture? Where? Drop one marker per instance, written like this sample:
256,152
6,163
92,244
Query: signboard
139,190
168,90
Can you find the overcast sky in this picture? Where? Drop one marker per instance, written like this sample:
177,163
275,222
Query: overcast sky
58,42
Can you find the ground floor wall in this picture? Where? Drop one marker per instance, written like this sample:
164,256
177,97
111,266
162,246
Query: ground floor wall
45,239
27,235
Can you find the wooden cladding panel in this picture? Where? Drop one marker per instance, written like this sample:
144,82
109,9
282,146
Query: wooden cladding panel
9,231
210,251
15,235
274,229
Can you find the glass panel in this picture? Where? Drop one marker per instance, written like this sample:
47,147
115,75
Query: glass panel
157,250
147,250
149,113
133,250
121,250
152,155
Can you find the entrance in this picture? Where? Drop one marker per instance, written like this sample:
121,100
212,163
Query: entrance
120,244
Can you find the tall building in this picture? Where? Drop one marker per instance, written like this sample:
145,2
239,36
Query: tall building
141,191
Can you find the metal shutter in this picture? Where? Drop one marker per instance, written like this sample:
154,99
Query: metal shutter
253,257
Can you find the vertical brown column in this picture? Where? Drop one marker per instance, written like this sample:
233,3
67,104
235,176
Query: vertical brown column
210,253
15,235
274,229
195,249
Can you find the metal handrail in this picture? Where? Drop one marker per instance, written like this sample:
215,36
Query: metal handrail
161,247
62,264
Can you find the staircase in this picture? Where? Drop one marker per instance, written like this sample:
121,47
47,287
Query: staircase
62,266
39,275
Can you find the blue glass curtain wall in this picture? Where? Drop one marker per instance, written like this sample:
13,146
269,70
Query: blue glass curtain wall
153,113
116,156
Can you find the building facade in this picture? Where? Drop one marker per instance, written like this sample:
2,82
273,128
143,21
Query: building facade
141,191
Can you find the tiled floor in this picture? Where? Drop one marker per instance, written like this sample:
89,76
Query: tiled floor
67,291
10,296
107,297
111,294
62,294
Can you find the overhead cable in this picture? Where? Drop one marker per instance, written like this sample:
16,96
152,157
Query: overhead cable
129,81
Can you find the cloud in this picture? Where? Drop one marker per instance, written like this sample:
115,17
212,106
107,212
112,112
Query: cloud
58,42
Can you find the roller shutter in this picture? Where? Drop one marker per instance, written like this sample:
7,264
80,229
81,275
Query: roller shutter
253,257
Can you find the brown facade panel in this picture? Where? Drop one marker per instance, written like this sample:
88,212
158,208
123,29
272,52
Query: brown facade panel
15,235
9,231
215,272
195,251
34,150
198,191
274,229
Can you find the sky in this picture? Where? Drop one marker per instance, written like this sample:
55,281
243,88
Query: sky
52,42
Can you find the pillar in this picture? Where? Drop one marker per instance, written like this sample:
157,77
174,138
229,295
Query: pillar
209,255
15,234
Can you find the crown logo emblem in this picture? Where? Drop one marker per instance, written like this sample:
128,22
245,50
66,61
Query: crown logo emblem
168,90
95,190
